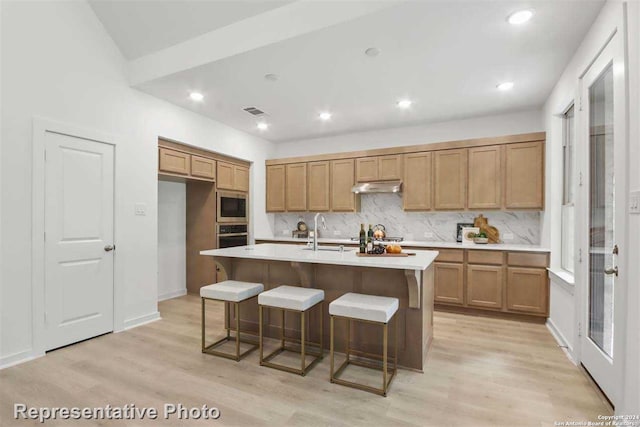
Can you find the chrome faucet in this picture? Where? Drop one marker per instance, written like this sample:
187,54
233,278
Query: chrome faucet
315,229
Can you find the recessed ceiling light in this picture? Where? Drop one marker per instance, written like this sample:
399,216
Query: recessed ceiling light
404,103
196,96
325,116
505,86
372,51
263,125
271,77
519,17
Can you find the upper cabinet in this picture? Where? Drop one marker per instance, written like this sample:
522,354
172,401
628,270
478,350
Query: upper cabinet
276,188
418,182
342,179
524,175
450,179
485,177
318,185
296,187
232,177
203,167
174,161
381,168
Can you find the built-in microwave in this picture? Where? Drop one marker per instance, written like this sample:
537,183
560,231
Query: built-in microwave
232,207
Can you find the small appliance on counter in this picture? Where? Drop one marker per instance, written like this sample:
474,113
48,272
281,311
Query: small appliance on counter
301,231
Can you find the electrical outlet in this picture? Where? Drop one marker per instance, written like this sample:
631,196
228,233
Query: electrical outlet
337,233
428,235
634,202
285,233
140,209
507,236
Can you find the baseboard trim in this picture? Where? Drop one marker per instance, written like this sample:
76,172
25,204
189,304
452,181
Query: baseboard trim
142,320
561,340
172,294
18,358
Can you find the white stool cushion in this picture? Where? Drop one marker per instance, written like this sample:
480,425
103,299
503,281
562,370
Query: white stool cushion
364,307
291,297
231,290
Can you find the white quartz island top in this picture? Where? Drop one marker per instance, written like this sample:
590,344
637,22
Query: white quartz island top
296,253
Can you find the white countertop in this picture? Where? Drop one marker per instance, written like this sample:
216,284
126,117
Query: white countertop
419,244
296,253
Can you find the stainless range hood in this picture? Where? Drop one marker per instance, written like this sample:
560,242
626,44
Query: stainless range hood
377,187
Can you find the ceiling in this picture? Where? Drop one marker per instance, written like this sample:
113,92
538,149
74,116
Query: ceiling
446,56
141,27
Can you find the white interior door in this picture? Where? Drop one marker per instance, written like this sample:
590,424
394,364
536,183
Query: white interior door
604,189
79,198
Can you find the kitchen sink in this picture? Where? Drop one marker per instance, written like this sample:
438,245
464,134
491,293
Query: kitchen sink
326,248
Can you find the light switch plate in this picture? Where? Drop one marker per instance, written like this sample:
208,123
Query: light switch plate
337,233
140,209
634,202
507,236
285,232
428,235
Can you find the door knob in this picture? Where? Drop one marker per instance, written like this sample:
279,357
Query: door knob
109,248
612,270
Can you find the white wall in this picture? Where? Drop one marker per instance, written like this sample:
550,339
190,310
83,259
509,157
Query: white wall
59,63
172,239
568,300
478,127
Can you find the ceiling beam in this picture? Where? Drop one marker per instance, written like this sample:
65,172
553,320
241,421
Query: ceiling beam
292,20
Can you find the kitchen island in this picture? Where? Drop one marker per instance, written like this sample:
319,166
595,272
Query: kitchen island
410,279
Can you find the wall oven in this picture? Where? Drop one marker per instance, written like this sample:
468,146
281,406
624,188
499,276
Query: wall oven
230,235
232,207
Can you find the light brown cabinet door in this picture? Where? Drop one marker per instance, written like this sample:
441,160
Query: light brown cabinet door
417,184
318,186
527,290
524,175
485,177
240,178
276,188
450,179
390,168
449,283
296,187
225,176
484,286
203,167
342,179
174,161
367,169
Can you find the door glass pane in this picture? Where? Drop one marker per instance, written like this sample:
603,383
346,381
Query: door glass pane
601,207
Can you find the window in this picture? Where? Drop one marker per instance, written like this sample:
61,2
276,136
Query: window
568,178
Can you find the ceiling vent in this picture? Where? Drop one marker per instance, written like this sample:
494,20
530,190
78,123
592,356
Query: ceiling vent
253,111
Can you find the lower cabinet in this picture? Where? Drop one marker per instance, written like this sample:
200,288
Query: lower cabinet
485,286
449,283
527,290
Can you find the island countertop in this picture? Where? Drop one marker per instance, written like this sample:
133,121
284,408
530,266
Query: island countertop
295,253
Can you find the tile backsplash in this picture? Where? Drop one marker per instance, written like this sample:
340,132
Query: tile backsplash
520,227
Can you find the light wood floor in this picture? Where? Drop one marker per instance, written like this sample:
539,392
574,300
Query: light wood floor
480,372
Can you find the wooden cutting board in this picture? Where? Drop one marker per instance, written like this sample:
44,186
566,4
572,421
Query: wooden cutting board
403,254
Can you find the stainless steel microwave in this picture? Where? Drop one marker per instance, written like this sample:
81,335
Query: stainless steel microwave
232,207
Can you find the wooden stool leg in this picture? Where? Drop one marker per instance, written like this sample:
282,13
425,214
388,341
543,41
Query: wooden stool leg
203,319
302,339
331,348
227,318
348,339
385,342
282,329
321,329
395,351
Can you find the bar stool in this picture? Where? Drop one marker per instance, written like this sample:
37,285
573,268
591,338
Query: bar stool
298,300
230,292
370,309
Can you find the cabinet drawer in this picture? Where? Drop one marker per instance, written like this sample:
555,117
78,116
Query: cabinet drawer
528,259
203,167
449,255
485,257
